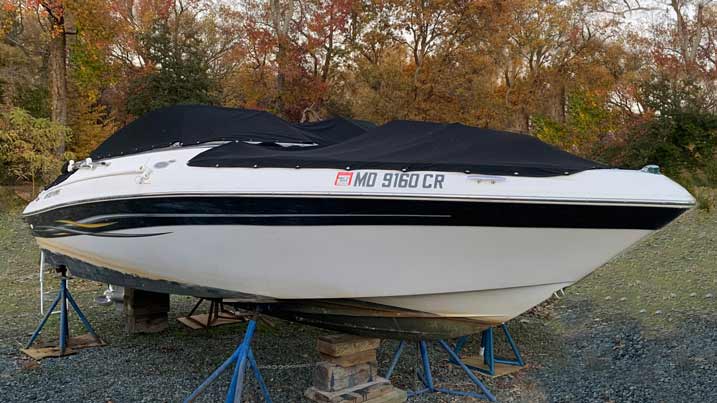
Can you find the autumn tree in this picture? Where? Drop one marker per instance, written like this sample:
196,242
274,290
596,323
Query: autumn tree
673,98
23,82
51,17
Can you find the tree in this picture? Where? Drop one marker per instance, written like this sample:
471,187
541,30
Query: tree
281,13
57,62
50,15
178,70
23,82
588,121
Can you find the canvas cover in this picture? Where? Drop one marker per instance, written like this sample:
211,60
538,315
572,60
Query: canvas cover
334,131
413,146
194,124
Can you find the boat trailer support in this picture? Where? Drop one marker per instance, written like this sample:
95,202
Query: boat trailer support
242,356
63,297
427,377
488,345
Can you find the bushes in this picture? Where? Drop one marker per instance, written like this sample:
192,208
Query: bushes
28,147
585,127
685,141
684,144
680,135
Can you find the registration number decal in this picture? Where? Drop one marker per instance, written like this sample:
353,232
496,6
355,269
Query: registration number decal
368,179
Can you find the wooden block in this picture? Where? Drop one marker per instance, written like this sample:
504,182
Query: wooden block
74,344
343,344
331,377
375,393
150,323
146,311
38,353
394,396
499,369
362,357
140,302
317,395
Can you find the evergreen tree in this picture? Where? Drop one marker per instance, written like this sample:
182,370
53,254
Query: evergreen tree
179,75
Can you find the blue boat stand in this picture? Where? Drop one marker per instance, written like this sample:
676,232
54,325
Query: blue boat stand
242,355
63,297
489,358
427,378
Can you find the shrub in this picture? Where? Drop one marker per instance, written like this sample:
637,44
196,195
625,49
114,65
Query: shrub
28,146
684,141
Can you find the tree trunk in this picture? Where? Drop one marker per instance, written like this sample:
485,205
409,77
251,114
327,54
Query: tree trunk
560,104
57,66
689,35
280,75
281,13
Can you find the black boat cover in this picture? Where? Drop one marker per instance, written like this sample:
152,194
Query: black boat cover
413,146
333,131
194,124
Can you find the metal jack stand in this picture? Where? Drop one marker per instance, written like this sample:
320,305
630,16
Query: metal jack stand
63,297
241,355
427,378
491,363
218,315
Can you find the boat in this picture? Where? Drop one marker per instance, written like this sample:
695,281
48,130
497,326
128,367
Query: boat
405,230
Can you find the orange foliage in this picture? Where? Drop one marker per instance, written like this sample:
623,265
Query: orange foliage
523,65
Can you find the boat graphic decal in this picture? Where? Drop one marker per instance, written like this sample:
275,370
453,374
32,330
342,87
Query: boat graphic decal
85,225
49,231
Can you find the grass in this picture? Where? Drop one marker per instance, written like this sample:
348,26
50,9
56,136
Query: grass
667,278
19,262
18,253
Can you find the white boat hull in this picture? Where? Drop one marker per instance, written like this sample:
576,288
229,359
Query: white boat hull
450,271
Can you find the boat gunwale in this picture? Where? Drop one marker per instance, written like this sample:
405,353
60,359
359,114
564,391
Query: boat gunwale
447,198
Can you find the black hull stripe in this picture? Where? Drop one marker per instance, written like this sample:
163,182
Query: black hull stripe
123,214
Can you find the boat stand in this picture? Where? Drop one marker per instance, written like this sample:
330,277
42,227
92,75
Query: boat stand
66,342
491,365
427,378
218,315
241,356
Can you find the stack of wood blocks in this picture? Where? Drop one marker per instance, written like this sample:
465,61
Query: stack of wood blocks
347,373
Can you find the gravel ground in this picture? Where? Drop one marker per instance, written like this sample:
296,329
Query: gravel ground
615,363
642,328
